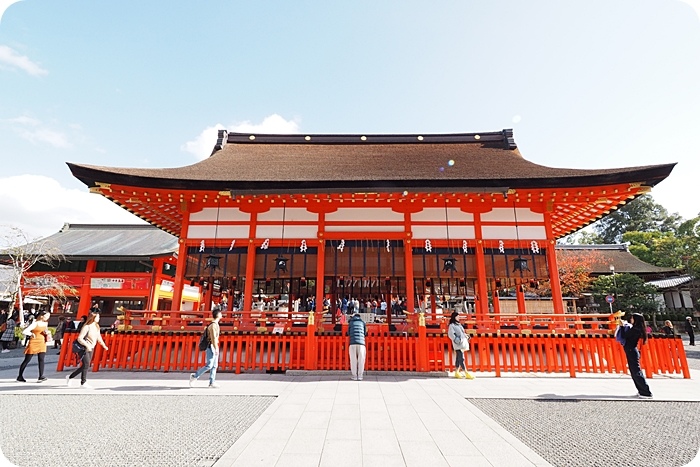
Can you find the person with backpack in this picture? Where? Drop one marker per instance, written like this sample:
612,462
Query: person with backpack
88,337
210,340
629,337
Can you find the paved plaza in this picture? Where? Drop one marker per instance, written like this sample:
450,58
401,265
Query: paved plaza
325,419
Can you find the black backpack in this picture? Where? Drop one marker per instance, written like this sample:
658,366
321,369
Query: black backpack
204,340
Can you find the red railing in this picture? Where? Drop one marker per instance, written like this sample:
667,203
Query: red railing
499,353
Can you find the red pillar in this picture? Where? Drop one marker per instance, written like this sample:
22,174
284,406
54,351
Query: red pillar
249,277
481,290
520,295
310,351
180,267
320,276
85,296
408,266
552,266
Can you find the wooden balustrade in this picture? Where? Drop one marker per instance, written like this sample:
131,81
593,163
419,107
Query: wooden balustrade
245,351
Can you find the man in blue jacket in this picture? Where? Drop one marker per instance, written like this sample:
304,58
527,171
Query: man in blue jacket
357,330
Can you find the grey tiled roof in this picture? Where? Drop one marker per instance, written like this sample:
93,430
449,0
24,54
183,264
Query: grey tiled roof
92,241
617,256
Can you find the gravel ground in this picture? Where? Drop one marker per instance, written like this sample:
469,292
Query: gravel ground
125,430
577,433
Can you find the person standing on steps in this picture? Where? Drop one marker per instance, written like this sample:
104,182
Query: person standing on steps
36,335
357,330
89,336
213,332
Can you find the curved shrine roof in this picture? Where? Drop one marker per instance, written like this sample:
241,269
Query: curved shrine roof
244,163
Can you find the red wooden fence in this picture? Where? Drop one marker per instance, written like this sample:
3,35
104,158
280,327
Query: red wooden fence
499,353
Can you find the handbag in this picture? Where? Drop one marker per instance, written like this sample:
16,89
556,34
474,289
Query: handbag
78,348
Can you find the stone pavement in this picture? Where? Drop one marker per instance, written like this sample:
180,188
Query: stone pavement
327,419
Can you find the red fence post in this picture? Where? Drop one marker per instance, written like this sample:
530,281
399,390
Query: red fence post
310,352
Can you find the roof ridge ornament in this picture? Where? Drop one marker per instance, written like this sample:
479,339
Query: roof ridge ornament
221,140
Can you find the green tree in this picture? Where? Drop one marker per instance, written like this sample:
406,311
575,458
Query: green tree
630,292
642,214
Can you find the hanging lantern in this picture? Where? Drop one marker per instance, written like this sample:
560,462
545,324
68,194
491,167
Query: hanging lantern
449,264
281,264
212,262
520,264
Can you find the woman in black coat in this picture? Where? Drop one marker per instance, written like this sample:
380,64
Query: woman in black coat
689,329
632,336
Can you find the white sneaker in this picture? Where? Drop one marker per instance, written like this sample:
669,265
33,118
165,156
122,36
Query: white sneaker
214,386
68,380
192,379
642,396
85,386
5,350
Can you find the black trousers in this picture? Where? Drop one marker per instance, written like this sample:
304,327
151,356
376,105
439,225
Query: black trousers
636,372
27,359
83,369
691,335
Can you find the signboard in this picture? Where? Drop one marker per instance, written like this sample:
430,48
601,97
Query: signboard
609,299
119,284
166,285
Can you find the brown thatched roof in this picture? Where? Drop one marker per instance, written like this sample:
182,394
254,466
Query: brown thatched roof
247,163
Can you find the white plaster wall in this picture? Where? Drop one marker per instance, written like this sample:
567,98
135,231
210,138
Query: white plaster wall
364,214
364,228
290,231
507,232
290,214
508,215
439,232
225,214
224,231
438,215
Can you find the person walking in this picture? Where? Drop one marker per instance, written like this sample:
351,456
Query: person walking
89,336
36,333
357,330
631,335
8,335
213,332
460,343
689,329
60,329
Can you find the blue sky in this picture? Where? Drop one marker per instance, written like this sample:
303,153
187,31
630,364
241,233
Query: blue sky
594,84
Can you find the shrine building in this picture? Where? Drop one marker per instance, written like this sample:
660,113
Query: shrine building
457,217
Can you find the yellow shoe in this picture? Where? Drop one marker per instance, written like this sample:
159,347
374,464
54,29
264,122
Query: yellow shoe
468,375
458,375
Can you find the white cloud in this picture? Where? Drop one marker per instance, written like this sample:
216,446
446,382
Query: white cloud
34,131
23,120
11,58
39,206
203,144
5,4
